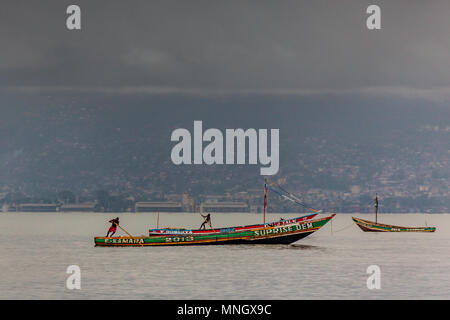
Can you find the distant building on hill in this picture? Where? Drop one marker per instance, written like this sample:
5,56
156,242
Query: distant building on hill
38,207
224,207
158,207
79,207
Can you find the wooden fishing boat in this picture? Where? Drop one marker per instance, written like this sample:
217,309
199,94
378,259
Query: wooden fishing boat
284,194
180,231
277,234
370,226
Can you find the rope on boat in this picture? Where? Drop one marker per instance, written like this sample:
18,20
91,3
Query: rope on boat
342,229
289,196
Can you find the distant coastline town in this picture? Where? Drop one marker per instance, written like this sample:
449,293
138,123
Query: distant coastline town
250,201
75,160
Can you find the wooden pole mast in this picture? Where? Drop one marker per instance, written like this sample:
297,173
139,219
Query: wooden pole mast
376,207
157,221
265,199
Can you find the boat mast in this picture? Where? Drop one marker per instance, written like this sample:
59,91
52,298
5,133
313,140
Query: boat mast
376,207
157,221
265,199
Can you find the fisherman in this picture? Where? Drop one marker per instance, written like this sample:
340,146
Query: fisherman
207,220
113,228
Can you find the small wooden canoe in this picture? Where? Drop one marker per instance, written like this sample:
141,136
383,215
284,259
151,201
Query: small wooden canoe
370,226
281,234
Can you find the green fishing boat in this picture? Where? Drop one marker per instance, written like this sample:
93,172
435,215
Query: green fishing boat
280,234
370,226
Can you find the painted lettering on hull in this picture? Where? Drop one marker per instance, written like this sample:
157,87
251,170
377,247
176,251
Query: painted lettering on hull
125,241
179,239
284,229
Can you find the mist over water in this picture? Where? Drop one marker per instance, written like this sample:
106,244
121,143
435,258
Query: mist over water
37,248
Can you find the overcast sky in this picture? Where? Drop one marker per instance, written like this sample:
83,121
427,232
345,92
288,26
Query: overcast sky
226,47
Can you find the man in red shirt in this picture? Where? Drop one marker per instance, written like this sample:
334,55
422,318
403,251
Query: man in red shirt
113,228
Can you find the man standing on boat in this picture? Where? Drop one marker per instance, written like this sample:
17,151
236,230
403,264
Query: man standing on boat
207,220
113,228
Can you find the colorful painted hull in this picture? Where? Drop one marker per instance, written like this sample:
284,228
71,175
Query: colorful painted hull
370,226
283,234
171,231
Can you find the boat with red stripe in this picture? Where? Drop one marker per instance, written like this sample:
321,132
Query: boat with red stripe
180,231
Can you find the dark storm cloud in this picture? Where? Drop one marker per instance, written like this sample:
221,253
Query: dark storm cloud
208,47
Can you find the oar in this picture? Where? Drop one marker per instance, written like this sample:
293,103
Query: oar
199,212
129,234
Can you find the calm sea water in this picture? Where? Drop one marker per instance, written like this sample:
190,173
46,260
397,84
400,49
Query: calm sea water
37,248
